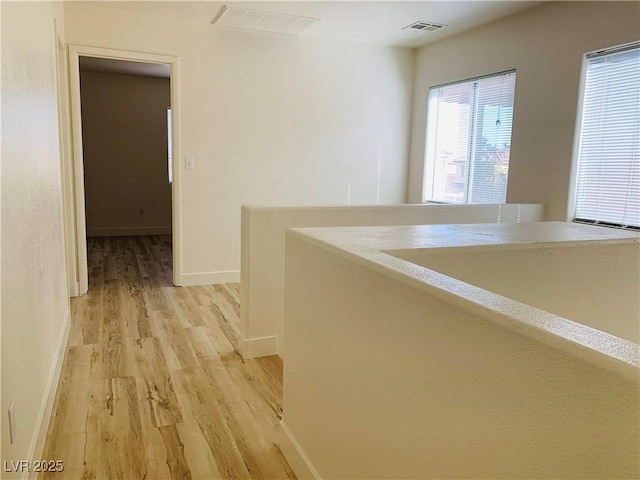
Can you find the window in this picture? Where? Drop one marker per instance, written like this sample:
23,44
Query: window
169,146
469,140
608,172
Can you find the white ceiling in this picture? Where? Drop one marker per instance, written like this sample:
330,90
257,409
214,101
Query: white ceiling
377,23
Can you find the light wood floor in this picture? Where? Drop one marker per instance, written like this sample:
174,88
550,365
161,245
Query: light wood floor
152,385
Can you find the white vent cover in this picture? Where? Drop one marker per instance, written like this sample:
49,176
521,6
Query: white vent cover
424,26
265,21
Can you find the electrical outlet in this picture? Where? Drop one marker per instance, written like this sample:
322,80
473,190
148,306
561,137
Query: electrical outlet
141,211
12,422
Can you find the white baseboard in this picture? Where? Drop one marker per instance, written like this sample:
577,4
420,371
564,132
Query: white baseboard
42,424
258,347
210,278
295,456
122,231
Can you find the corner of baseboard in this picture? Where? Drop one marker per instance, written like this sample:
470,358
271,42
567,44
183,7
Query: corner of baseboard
210,278
257,347
42,425
297,459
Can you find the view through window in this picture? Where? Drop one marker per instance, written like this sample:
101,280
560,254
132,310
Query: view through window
469,140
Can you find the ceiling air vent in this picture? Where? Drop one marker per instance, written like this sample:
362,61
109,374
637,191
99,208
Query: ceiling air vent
265,21
424,26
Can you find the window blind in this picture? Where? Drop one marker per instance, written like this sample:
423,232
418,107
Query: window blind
608,175
469,140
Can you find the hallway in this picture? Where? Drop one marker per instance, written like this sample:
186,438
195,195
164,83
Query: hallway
152,385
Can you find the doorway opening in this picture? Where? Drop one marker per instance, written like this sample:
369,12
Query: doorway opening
125,125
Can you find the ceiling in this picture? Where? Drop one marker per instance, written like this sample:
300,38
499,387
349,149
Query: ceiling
376,23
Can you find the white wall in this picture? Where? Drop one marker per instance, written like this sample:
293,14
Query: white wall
263,253
270,119
393,371
35,302
555,278
546,46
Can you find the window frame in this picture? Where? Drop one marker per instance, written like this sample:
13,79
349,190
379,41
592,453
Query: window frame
572,202
429,158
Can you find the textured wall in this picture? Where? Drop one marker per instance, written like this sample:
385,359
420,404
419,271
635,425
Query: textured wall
263,251
393,371
561,280
34,296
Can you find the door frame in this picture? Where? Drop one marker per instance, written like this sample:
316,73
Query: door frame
75,52
66,174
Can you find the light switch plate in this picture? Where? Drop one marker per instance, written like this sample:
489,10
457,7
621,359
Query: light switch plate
190,163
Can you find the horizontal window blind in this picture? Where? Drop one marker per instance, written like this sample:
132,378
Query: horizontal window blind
469,140
608,175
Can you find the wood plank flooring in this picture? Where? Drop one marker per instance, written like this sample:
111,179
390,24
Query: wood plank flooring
152,385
